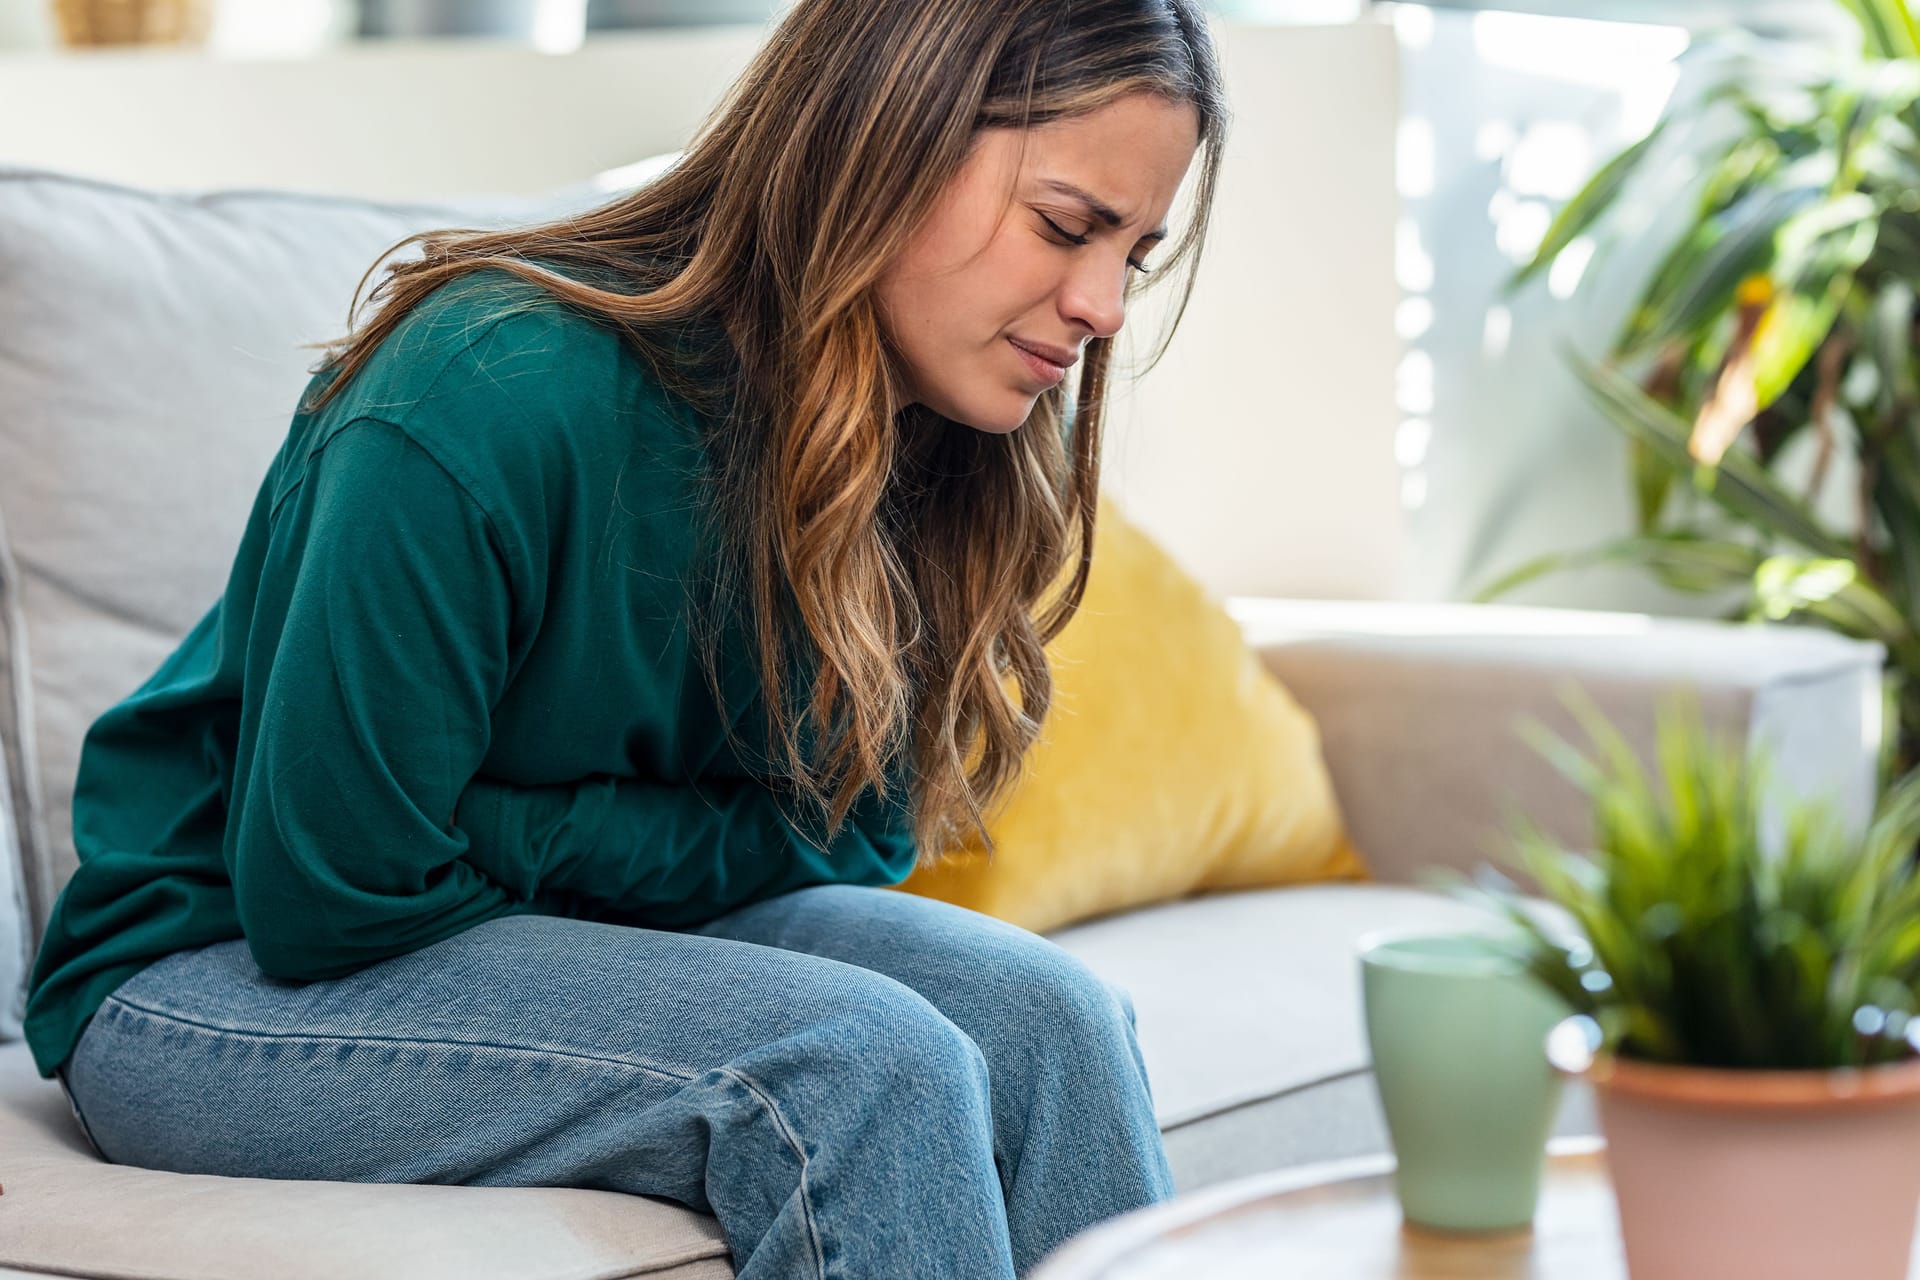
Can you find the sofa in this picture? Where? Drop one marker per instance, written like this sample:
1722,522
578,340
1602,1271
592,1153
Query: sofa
148,360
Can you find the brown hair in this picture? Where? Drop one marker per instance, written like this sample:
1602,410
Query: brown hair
908,558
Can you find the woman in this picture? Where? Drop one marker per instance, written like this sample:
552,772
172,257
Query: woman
633,596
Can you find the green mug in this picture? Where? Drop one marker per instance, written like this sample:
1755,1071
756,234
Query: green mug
1458,1032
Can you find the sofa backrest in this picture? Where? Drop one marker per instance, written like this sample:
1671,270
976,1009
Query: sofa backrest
150,356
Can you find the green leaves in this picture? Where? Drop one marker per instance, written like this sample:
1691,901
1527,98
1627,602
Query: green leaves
1776,332
1887,28
1586,206
1681,560
1739,484
1703,941
1816,255
1794,203
1696,281
1784,585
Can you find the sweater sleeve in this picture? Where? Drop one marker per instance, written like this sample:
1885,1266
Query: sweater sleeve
379,646
675,854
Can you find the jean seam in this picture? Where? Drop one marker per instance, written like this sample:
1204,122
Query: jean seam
361,1037
785,1128
758,1091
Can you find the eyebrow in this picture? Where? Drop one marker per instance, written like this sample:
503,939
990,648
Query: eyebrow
1101,209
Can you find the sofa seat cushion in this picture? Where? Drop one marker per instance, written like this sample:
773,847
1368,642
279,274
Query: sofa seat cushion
1239,996
1248,1007
64,1210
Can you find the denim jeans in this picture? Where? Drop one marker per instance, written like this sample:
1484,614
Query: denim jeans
856,1083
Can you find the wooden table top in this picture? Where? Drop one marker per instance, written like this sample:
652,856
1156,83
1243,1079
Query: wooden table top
1340,1221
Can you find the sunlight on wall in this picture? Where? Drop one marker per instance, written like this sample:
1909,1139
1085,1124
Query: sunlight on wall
1541,161
1413,317
1518,225
1413,157
1284,11
278,28
1495,330
1547,162
1552,158
1413,394
1415,390
1576,50
1412,24
1568,266
1413,268
1491,139
559,26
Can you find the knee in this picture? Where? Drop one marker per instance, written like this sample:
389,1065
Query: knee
908,1051
1057,999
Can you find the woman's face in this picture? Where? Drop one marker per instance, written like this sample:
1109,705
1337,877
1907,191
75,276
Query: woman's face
985,275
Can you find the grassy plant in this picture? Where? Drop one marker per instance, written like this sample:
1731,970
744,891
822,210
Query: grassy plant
1703,945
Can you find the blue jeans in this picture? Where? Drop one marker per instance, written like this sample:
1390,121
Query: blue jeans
856,1083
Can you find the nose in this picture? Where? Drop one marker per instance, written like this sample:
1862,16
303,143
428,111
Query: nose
1095,294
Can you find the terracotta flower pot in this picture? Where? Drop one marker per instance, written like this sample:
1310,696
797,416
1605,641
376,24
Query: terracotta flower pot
1756,1174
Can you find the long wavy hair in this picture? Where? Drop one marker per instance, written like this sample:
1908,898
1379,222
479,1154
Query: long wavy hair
916,566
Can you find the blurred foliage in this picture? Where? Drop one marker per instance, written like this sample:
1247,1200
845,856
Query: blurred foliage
1702,946
1780,324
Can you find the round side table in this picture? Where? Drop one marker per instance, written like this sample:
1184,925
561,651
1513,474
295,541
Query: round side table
1340,1221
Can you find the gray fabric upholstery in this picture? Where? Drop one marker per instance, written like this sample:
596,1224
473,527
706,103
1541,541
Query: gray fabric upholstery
150,358
1419,705
66,1211
15,957
18,779
1263,1063
1335,1119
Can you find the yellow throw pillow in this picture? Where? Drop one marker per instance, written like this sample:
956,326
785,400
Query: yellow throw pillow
1171,762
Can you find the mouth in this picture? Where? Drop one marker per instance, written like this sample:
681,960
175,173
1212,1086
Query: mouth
1047,371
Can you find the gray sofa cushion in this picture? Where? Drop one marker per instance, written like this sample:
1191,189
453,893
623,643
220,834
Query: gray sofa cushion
15,957
150,359
68,1212
1419,707
1249,1021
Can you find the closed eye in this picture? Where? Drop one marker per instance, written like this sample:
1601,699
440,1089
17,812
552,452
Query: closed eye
1070,238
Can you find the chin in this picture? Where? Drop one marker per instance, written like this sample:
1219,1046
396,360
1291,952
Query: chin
998,428
996,420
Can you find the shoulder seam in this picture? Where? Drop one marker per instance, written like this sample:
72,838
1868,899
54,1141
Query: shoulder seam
466,488
466,484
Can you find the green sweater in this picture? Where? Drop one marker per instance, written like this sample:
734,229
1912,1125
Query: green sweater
448,680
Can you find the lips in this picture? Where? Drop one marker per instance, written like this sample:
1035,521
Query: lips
1044,372
1065,357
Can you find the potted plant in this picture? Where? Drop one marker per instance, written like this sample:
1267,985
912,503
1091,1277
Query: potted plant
1765,376
1746,992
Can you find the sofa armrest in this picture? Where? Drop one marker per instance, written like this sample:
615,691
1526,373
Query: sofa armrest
1418,706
